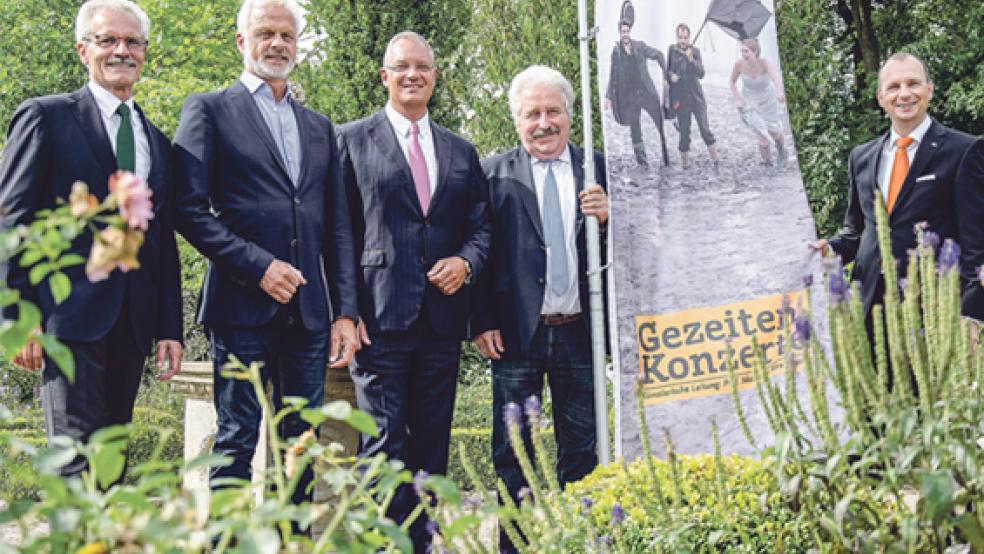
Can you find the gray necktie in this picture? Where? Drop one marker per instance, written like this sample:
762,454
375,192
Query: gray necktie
553,230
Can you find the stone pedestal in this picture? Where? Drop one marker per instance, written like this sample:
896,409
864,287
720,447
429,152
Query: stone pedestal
195,384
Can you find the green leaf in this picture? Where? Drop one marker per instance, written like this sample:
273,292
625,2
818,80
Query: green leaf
205,460
260,541
60,286
971,530
38,272
70,259
363,423
937,490
31,256
8,297
445,488
108,462
13,338
461,525
50,460
398,536
60,354
338,409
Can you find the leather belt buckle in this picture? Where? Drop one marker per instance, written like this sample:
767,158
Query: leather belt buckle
553,320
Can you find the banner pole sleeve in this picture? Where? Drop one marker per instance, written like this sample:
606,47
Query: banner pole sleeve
596,300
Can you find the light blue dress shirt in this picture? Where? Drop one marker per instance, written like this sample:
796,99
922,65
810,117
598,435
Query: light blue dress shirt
280,120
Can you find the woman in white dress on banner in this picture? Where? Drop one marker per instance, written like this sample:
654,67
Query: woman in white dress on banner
759,98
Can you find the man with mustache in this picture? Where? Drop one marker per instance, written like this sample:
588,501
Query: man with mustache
109,326
924,172
631,90
420,217
260,197
531,315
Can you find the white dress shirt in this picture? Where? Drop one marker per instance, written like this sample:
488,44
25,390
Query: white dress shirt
888,153
426,138
563,170
108,103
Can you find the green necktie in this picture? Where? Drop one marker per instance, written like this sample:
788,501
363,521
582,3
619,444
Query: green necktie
126,157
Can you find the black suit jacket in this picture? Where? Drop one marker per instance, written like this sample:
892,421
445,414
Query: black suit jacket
621,64
52,142
396,243
238,206
513,284
944,188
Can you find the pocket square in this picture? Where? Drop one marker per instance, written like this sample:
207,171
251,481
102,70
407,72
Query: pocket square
927,177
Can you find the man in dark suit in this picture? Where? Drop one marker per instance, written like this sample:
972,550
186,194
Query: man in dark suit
89,135
532,310
685,69
924,172
631,90
259,194
420,219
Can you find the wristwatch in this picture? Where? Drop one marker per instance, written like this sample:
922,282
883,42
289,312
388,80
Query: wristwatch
468,278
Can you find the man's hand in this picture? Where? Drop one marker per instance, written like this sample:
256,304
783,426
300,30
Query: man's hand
448,274
281,281
674,77
489,344
344,343
594,202
170,352
30,356
822,245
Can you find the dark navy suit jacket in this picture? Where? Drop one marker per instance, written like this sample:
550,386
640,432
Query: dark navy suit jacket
52,142
513,284
238,206
396,244
944,188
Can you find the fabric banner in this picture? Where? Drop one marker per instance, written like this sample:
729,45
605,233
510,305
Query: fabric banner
710,224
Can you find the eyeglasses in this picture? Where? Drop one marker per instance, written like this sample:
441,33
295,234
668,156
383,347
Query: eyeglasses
109,42
404,68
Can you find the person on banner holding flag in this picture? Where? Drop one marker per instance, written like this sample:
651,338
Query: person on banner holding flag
109,325
419,205
759,98
531,311
631,90
927,174
684,71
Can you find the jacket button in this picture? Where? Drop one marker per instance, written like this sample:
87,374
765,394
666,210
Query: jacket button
422,261
540,280
427,223
297,200
543,247
293,243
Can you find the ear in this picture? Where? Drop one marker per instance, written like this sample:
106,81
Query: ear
241,43
83,55
383,75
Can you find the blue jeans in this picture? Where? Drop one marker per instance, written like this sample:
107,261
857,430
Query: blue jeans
562,353
293,360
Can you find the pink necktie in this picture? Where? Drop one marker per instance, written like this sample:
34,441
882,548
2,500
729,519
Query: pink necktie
418,167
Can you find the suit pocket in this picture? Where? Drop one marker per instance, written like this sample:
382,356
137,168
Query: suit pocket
373,258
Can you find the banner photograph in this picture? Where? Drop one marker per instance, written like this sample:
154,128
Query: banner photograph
710,222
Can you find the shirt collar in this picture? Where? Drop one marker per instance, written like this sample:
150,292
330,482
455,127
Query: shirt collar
916,135
402,125
107,101
254,84
564,157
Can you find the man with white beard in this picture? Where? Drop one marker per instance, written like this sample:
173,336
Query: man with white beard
259,195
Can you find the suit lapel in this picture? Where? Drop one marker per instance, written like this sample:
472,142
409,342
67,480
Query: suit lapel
930,145
156,152
442,151
383,136
246,106
869,179
577,165
87,113
522,170
304,135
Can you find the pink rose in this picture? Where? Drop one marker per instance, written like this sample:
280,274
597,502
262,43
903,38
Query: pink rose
133,198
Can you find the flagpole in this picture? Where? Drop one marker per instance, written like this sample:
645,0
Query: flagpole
596,300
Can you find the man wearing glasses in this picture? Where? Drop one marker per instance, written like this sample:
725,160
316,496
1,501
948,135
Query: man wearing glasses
88,135
421,226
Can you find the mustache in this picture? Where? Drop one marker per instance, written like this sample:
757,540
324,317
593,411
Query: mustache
541,132
125,61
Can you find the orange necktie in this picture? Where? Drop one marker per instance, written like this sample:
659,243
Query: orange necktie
899,170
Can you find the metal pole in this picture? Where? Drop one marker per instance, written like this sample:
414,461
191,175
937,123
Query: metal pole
596,300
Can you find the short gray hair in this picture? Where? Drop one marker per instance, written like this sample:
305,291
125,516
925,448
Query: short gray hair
901,57
536,76
406,35
88,11
246,12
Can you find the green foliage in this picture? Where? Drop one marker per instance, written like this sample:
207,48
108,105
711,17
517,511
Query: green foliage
507,37
340,73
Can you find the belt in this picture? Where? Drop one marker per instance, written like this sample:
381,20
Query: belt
553,320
